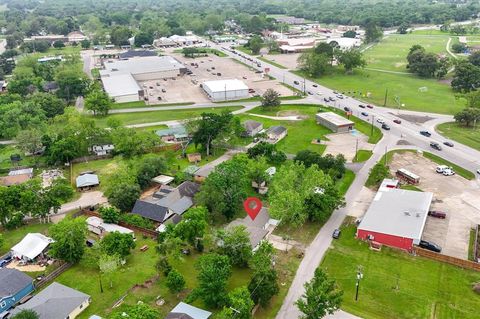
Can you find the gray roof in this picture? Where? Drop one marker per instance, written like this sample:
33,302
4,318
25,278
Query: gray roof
255,228
276,130
180,206
54,302
335,119
86,180
141,65
12,281
398,212
186,311
178,131
251,125
188,188
150,210
136,53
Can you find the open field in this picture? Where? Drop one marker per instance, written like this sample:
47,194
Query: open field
397,285
159,116
461,134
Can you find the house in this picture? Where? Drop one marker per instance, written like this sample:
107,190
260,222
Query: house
102,150
31,246
186,311
17,177
76,37
14,286
396,217
56,302
258,228
334,122
252,128
86,181
167,202
276,133
97,226
174,134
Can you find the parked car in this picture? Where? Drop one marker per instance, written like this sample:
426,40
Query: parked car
426,133
340,96
436,146
448,172
449,144
380,120
5,261
361,106
430,246
309,93
437,214
326,99
251,91
397,121
336,233
370,106
331,99
315,86
441,168
296,82
478,171
385,127
364,113
347,109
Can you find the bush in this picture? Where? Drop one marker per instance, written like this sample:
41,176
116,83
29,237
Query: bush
163,265
377,174
175,281
137,220
109,215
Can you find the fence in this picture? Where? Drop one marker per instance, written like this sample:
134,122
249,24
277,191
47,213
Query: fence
466,264
144,231
54,274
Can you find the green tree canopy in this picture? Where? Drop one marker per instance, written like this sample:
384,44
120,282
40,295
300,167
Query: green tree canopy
69,237
234,242
213,273
116,243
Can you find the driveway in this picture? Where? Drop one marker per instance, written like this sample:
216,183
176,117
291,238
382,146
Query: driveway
85,200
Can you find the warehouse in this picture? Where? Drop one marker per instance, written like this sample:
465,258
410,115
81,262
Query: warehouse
334,122
396,217
224,90
121,77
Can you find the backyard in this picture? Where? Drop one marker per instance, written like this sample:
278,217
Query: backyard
397,285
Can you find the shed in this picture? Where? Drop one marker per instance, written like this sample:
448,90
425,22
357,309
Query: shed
186,311
87,180
334,122
32,245
224,90
163,179
252,128
276,133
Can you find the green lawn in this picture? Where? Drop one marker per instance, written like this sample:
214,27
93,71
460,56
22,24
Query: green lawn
158,116
362,156
271,62
5,163
206,50
458,169
344,184
245,50
397,285
103,168
12,237
461,134
130,105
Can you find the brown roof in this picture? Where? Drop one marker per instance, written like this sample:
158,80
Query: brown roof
14,179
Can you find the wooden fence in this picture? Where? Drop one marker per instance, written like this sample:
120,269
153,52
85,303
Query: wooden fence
466,264
54,274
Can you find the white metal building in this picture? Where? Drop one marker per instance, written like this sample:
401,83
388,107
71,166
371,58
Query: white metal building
224,90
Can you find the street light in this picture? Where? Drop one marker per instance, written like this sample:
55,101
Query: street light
359,277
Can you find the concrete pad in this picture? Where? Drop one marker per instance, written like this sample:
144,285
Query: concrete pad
287,60
345,143
362,202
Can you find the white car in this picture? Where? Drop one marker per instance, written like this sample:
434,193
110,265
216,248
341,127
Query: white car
478,171
448,172
441,168
381,121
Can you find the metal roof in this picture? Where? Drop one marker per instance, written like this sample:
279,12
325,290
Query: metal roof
87,180
141,65
250,125
335,119
186,309
120,85
32,245
225,85
398,212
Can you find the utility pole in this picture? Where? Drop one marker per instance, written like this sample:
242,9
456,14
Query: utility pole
356,150
386,95
359,277
373,119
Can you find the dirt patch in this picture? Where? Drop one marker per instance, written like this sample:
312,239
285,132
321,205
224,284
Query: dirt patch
403,142
414,118
292,113
345,143
145,285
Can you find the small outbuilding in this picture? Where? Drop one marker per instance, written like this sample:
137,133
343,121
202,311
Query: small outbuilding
276,133
186,311
252,128
225,90
87,181
97,226
31,246
334,122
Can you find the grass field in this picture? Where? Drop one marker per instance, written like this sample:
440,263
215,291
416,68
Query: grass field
362,156
461,134
13,237
397,285
138,104
158,116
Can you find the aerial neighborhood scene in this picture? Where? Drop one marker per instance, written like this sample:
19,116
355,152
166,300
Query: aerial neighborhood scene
235,159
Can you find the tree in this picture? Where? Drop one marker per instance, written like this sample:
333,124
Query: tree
332,165
119,35
109,215
350,34
321,297
116,243
403,28
467,116
255,44
137,311
350,59
142,38
377,174
149,168
460,48
58,44
85,44
26,314
466,77
426,64
99,102
209,127
2,241
234,242
264,283
69,239
193,224
267,150
30,141
240,305
213,273
257,171
225,188
372,32
458,30
473,99
315,64
108,264
71,83
175,281
270,99
49,103
130,142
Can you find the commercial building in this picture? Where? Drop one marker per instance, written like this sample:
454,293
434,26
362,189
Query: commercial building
334,122
224,90
396,217
121,77
295,45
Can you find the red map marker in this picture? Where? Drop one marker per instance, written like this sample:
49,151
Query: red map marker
252,206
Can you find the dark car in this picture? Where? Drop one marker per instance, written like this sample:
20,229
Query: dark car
309,93
5,261
326,99
430,246
385,127
436,146
347,109
331,99
361,105
296,82
364,113
315,86
336,233
426,133
449,144
370,106
397,121
437,214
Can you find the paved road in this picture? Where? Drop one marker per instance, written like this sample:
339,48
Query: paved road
408,131
85,200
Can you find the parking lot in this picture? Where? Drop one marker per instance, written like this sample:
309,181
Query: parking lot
287,60
456,196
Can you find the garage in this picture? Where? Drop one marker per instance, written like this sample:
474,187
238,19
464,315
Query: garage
334,122
225,90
